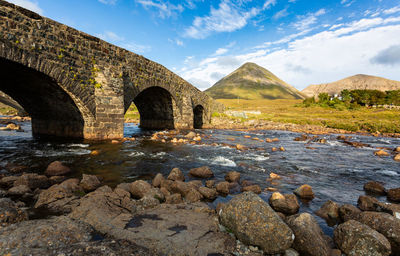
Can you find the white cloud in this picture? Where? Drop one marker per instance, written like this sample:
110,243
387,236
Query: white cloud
165,9
110,36
307,20
28,4
365,46
228,17
136,48
111,2
392,10
282,13
221,51
268,4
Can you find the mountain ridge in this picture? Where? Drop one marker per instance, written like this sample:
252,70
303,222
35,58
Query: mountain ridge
356,82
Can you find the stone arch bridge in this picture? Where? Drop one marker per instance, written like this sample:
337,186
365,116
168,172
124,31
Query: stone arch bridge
75,85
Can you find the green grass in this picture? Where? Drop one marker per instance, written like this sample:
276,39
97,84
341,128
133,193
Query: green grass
132,113
290,111
6,110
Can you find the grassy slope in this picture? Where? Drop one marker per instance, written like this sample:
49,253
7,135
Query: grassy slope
285,111
251,81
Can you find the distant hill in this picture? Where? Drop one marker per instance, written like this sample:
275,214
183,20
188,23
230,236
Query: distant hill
253,82
357,82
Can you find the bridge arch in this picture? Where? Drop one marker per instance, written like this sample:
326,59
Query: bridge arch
55,111
198,117
156,107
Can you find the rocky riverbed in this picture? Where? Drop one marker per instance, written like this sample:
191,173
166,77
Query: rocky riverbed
207,192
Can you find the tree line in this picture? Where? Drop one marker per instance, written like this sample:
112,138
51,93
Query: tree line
352,99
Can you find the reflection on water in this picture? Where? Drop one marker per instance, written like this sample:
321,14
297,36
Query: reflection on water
335,171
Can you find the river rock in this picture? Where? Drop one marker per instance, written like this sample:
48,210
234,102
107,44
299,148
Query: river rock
15,168
176,175
193,195
367,203
309,238
375,188
174,199
385,224
203,172
255,223
357,239
60,198
57,168
190,135
232,176
223,187
7,182
125,186
329,211
348,212
305,192
139,188
10,214
35,237
394,195
89,182
157,180
381,153
397,158
253,188
397,149
210,183
56,179
286,204
32,180
196,183
208,193
181,187
19,191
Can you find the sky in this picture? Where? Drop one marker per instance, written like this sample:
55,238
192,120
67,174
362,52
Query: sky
303,42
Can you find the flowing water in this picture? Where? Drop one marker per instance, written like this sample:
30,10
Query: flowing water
336,171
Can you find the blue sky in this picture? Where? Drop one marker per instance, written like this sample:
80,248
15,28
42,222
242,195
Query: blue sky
303,42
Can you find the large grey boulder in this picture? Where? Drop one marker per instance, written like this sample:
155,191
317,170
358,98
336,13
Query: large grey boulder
356,239
309,238
385,224
60,198
254,222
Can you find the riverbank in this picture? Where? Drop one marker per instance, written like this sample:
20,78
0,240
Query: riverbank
280,112
171,215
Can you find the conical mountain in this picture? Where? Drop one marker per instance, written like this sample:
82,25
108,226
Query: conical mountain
253,82
357,82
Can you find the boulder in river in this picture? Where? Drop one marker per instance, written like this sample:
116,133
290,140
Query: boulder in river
329,211
357,239
223,187
232,176
157,180
375,188
309,238
397,158
348,212
367,203
381,152
386,224
89,182
254,222
57,168
176,175
286,204
253,188
7,182
209,193
139,188
305,192
394,195
20,191
203,172
32,180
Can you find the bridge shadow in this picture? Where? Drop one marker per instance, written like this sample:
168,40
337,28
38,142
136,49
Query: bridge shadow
156,109
53,111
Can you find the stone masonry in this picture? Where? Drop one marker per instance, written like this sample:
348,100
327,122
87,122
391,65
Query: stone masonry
76,85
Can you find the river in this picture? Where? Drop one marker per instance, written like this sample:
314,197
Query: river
335,171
